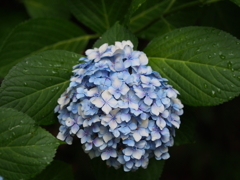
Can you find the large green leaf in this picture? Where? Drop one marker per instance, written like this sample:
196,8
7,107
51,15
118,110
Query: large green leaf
38,35
102,172
236,2
224,16
57,170
135,4
148,13
178,15
99,15
34,85
202,63
10,16
25,149
46,8
116,33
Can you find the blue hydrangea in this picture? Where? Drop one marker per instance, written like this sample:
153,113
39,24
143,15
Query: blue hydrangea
119,108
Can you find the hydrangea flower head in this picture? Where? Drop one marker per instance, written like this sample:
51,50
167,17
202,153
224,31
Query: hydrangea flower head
119,108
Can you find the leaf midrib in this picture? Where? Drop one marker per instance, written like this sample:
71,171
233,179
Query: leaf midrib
186,62
145,12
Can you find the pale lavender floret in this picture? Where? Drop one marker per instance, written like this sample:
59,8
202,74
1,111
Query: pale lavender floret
119,108
109,152
106,102
146,93
118,88
148,82
130,100
132,57
97,53
85,134
112,119
89,121
88,108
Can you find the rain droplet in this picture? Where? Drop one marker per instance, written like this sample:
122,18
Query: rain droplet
25,70
209,56
213,93
50,65
218,90
198,49
54,72
26,62
166,37
25,84
237,43
222,56
205,85
229,64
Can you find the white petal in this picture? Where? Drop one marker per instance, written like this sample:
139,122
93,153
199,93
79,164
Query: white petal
155,135
143,59
155,82
106,108
145,79
161,123
133,105
113,103
125,89
106,95
98,142
92,91
98,102
103,48
155,109
128,50
112,124
137,154
143,132
137,136
105,155
92,55
107,137
147,100
128,151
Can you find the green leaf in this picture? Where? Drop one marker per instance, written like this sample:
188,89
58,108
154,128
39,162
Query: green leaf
186,133
148,13
116,33
224,16
201,63
38,35
57,170
10,16
132,8
99,15
25,149
46,8
172,19
102,172
158,29
34,85
237,2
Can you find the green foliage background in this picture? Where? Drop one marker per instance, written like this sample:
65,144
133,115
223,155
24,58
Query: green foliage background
193,43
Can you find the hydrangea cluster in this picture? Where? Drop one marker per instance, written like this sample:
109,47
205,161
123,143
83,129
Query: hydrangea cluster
120,108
